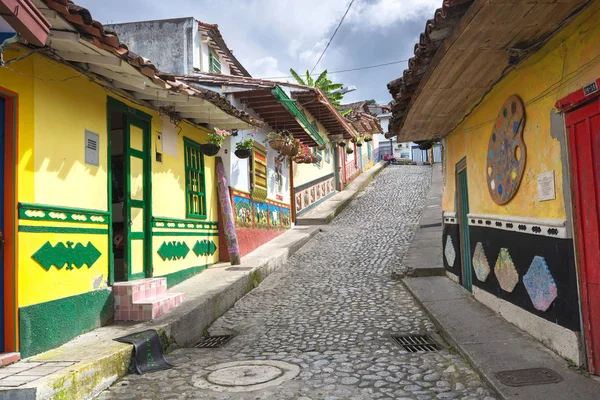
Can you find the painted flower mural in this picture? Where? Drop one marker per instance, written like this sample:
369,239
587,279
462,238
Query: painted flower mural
505,271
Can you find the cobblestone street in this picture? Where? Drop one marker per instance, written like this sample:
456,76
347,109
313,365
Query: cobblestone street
319,328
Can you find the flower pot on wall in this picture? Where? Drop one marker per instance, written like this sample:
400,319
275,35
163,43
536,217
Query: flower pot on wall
209,149
243,153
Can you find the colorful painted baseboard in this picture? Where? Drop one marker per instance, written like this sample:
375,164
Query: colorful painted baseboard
257,222
312,192
532,271
48,325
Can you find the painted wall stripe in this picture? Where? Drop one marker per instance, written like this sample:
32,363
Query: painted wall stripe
40,212
186,234
61,229
533,226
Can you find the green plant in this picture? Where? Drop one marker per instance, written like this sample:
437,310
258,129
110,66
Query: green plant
218,136
323,83
245,144
275,135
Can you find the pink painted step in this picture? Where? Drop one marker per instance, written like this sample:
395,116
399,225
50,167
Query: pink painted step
144,299
9,358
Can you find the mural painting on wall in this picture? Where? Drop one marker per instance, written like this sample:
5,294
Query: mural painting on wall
308,196
243,212
262,215
507,153
505,271
274,216
299,202
286,219
480,263
540,284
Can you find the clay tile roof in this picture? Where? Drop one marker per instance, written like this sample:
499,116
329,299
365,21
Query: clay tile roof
81,20
436,31
212,30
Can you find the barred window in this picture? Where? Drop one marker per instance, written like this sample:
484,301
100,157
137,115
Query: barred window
194,180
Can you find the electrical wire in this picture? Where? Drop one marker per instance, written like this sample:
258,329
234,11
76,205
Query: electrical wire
332,36
346,70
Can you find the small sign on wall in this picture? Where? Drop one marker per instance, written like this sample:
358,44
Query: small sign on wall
546,190
92,144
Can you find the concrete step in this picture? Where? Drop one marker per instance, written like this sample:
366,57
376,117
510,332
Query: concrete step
9,358
144,299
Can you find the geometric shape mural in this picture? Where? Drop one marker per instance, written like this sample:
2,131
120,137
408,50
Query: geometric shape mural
450,252
204,248
505,271
480,263
173,250
540,284
69,255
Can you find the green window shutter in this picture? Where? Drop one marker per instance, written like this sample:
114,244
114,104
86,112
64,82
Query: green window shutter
214,64
195,191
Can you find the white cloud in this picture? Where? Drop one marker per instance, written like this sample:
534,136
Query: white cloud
384,13
266,67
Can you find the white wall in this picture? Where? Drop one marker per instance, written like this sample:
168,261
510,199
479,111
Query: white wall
203,52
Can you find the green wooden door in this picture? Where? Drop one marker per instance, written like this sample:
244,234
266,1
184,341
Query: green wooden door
465,242
137,200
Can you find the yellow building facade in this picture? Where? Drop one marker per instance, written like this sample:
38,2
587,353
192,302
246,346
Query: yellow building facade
96,201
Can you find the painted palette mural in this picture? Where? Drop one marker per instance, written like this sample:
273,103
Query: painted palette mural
507,153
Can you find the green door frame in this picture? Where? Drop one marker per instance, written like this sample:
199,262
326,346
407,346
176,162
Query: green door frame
132,116
462,198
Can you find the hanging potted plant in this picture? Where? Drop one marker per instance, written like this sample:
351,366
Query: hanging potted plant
359,141
243,149
342,144
368,138
424,144
314,159
292,146
349,150
215,141
276,140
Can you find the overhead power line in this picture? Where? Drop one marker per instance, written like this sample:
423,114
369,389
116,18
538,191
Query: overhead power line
332,36
346,70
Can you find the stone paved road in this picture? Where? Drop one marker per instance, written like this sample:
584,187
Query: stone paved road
328,313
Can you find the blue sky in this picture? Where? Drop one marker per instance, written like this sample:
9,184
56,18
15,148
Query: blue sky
270,36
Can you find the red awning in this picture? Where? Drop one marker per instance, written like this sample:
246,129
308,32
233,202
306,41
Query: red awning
26,19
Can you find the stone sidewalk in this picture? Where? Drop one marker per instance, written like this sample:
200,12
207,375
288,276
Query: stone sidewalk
320,327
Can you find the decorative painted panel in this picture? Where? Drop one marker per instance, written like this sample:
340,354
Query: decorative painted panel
66,254
309,194
540,284
507,153
286,219
480,263
274,216
505,271
450,251
261,215
243,211
204,248
38,212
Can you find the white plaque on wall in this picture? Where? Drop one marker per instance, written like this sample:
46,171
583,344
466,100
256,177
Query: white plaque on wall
169,136
546,190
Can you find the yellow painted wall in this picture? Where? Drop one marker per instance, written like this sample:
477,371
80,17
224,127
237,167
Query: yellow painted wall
55,109
571,57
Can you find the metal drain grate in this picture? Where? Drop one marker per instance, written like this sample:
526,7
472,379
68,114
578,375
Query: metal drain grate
238,269
417,343
213,342
430,225
528,377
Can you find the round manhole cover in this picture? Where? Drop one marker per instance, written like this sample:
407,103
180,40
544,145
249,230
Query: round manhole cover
245,376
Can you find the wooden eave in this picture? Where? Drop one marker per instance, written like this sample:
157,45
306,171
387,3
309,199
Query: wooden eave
325,113
470,61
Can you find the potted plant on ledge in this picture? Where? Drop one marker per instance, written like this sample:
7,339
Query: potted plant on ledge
243,149
215,141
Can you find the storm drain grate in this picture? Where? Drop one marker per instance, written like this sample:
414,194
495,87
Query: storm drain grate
238,269
417,343
528,377
430,225
213,342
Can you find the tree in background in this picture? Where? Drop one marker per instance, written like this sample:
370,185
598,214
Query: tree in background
325,85
372,102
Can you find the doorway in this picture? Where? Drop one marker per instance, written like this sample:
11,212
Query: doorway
130,192
462,197
583,126
2,231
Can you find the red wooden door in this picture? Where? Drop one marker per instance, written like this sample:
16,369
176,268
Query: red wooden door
584,135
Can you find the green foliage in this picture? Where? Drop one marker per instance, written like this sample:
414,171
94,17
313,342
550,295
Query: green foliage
372,102
245,144
323,83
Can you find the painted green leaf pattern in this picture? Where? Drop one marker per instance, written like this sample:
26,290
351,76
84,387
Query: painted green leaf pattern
204,248
173,251
66,254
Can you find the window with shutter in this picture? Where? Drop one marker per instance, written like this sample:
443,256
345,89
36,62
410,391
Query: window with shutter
194,180
214,64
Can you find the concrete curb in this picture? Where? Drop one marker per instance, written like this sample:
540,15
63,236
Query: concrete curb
100,361
324,213
449,338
